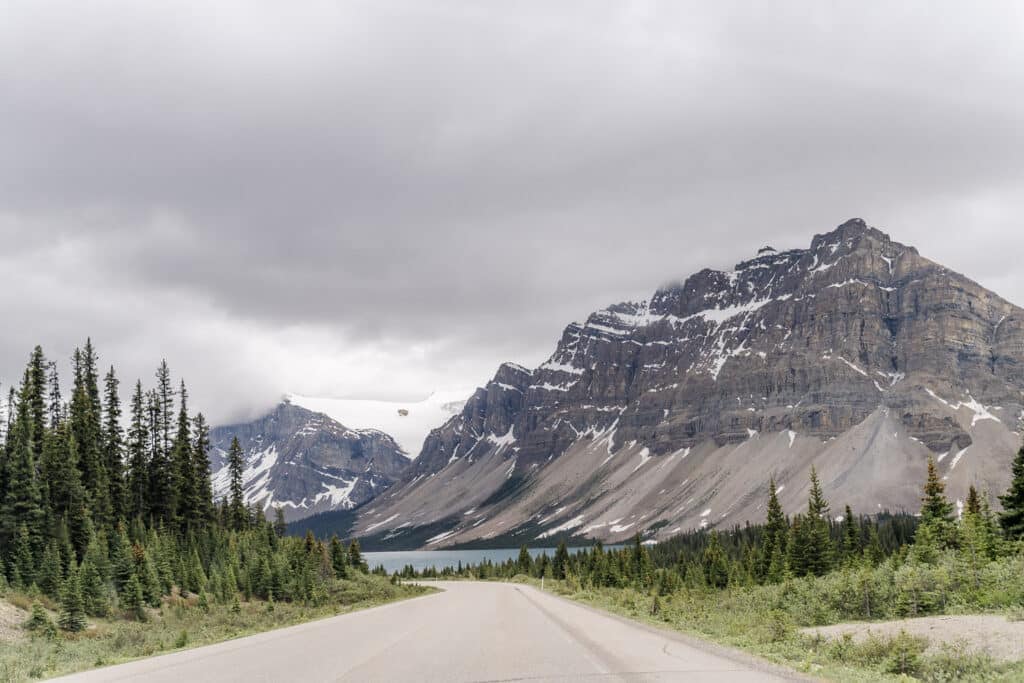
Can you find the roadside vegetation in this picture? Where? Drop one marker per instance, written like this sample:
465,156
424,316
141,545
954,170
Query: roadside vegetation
112,547
760,587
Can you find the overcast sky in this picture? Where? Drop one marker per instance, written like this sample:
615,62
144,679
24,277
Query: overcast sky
379,199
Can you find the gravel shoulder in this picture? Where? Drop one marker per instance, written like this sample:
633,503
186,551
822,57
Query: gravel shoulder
10,622
1002,639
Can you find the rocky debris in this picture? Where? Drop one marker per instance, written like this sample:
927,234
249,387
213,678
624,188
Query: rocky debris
990,634
306,463
798,348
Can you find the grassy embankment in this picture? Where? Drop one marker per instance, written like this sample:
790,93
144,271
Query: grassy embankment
179,623
767,620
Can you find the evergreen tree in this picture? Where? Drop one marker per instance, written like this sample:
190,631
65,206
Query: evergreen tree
355,557
22,504
51,571
817,546
138,460
973,504
851,537
339,557
236,500
132,598
561,561
715,563
524,564
186,503
113,446
72,609
202,486
162,491
935,507
776,529
85,419
1012,517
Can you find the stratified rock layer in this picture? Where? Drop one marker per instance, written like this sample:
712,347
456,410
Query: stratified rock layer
305,462
856,355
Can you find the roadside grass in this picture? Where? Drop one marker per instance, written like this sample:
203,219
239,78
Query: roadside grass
743,619
178,624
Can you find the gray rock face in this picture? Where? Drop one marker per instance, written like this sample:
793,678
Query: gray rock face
812,344
306,463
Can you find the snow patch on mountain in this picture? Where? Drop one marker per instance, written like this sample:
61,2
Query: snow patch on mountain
407,422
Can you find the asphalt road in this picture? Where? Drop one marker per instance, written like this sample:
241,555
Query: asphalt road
470,632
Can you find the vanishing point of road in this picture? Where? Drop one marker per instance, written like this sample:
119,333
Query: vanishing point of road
472,631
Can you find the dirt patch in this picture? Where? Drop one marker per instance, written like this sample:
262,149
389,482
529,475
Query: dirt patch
11,619
994,634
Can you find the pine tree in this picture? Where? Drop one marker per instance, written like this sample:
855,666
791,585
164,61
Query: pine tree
113,446
51,571
202,486
973,504
236,465
93,589
524,564
817,548
24,561
355,557
138,460
1012,517
132,598
715,563
935,507
339,558
186,503
776,529
561,561
72,609
161,499
851,537
22,504
85,420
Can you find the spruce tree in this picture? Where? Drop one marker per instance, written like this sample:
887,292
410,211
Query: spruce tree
561,561
72,609
715,563
851,537
236,466
161,499
23,504
138,458
355,557
51,572
973,504
186,501
1012,517
113,446
524,564
817,548
935,506
776,529
339,558
202,486
132,598
86,427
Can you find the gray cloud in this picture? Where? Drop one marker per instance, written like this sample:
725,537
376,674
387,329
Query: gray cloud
382,198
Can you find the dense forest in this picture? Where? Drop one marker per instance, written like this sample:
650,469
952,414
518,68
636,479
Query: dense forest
890,556
107,517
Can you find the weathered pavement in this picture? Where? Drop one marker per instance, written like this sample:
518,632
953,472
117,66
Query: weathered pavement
470,632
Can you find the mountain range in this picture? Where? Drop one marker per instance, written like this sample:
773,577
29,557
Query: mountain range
305,462
856,355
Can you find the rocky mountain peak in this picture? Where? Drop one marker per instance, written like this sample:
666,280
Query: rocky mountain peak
817,346
305,462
